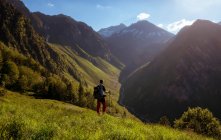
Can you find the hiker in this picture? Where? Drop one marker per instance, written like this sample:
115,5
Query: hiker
100,96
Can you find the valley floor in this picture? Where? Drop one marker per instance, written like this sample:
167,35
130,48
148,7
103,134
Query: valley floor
28,118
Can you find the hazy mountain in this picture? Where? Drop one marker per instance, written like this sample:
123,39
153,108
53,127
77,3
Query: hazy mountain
187,74
107,32
138,44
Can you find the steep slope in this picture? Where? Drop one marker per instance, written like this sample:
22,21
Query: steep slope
19,5
23,117
91,73
107,32
138,44
17,32
64,30
187,74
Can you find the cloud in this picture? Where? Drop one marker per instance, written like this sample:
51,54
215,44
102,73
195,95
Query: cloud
50,4
143,16
98,6
160,25
176,26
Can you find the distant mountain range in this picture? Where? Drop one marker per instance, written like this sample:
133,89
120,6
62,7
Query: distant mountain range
186,74
138,44
107,32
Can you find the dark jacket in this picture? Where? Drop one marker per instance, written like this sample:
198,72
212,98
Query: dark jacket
101,90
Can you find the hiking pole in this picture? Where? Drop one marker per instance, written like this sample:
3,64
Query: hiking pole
108,92
109,101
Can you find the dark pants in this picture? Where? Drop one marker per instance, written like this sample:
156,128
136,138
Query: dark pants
99,101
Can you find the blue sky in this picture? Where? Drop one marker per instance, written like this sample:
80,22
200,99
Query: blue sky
168,14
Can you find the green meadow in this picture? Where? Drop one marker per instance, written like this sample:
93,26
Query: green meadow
24,117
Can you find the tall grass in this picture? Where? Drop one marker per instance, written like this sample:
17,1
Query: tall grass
24,117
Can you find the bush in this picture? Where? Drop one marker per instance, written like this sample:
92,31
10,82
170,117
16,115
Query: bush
200,121
2,92
72,93
164,121
10,73
28,78
56,88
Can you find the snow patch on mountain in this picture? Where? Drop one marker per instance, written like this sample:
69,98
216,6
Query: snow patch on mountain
107,32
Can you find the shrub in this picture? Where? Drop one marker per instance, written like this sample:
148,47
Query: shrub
200,121
164,121
10,72
56,88
2,92
72,93
28,78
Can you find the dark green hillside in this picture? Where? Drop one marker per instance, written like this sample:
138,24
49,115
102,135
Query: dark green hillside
24,74
186,74
17,32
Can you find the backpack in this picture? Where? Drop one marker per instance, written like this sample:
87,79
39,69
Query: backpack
97,94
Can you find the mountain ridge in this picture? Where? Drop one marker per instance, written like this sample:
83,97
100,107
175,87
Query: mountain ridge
109,31
138,44
68,32
184,75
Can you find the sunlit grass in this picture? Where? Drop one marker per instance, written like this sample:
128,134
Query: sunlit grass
29,118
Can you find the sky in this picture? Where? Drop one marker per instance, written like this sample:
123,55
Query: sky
170,15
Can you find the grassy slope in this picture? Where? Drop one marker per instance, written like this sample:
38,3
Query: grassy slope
37,118
89,72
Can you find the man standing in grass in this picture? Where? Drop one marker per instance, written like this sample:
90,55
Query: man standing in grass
101,97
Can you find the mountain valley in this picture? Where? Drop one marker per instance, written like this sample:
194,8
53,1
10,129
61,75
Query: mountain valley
50,65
